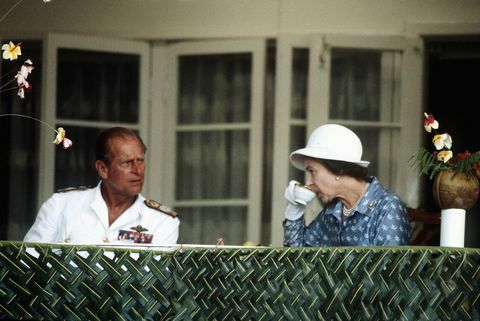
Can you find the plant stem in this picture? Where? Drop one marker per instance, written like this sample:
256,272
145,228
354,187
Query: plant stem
10,10
29,117
5,84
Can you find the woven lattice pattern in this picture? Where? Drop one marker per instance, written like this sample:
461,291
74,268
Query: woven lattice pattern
67,282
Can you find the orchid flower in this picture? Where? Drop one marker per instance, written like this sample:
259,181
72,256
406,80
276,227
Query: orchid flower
21,77
11,51
442,141
22,81
26,68
429,122
67,143
445,155
61,138
21,93
60,131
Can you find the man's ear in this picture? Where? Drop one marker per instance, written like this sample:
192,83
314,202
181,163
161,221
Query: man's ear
102,169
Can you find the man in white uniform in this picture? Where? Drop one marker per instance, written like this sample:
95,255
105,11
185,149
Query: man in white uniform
114,211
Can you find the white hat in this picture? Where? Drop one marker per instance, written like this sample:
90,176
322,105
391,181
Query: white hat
331,141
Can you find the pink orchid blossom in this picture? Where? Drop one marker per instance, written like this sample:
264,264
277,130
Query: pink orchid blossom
22,81
429,122
26,68
21,77
61,138
67,143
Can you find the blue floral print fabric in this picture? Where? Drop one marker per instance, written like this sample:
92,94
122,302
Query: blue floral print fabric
379,219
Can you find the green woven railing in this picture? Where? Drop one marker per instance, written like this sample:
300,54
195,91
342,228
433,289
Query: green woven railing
68,282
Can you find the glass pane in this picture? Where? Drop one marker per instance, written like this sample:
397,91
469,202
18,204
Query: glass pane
370,138
364,85
212,164
204,225
297,141
19,145
214,88
98,86
299,83
76,166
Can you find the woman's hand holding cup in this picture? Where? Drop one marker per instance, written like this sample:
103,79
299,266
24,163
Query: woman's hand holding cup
303,194
297,196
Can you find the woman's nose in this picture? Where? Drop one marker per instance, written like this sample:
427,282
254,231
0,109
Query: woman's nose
308,180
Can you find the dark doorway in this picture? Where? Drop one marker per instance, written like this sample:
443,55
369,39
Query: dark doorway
453,97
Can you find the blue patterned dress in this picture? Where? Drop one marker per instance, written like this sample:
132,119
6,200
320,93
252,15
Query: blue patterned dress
379,219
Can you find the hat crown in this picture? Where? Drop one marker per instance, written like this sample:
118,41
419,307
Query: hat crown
333,142
336,142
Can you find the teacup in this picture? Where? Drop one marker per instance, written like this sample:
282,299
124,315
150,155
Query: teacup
303,194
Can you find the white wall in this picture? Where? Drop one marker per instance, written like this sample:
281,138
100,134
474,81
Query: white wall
180,19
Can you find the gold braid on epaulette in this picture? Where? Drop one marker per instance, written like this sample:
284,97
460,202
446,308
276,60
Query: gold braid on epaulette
69,189
159,207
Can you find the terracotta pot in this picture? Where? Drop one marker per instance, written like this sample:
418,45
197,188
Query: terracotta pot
459,191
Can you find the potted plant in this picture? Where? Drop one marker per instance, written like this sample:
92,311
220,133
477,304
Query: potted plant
455,185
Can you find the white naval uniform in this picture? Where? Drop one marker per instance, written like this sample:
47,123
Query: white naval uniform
81,216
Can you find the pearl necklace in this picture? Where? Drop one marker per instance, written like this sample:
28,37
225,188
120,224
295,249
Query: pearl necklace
349,211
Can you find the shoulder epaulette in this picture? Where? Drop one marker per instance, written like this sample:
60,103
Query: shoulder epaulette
159,207
69,189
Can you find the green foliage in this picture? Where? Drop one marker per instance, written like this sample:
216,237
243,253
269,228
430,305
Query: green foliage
427,163
468,164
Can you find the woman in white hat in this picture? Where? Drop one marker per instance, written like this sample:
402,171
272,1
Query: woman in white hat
358,209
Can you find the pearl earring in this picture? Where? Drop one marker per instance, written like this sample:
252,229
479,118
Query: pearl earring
337,178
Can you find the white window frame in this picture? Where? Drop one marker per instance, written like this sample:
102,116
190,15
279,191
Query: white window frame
165,68
52,42
404,181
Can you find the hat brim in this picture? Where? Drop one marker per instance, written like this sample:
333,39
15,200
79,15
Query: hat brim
297,158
